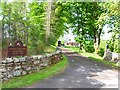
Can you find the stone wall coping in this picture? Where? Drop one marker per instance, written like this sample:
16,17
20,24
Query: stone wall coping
32,56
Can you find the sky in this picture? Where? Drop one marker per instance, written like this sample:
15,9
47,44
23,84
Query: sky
106,35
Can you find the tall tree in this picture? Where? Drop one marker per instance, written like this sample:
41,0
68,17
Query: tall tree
36,27
113,18
86,19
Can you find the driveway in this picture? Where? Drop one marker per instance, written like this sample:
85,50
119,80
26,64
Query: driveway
81,73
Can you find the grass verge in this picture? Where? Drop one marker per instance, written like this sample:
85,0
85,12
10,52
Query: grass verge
93,56
30,79
98,58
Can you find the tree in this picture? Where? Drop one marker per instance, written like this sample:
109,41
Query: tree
57,21
98,21
113,22
36,38
86,20
27,22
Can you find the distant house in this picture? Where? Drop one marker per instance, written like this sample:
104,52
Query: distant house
69,39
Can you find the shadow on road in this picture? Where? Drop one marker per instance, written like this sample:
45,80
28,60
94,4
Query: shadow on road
92,74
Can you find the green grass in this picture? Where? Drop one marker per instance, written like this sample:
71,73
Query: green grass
98,58
75,49
93,56
30,79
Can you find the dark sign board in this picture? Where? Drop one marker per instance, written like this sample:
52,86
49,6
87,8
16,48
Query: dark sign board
17,49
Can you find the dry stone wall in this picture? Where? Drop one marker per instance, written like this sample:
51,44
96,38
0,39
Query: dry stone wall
14,67
112,57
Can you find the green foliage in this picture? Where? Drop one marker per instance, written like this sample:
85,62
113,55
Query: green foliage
101,52
102,48
117,46
113,22
113,43
13,21
81,40
27,22
86,19
57,22
36,40
88,46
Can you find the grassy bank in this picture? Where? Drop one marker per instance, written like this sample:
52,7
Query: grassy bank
93,56
30,79
98,58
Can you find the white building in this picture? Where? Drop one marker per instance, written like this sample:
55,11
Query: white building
68,37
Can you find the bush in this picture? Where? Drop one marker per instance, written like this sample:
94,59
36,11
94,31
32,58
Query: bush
114,45
117,46
36,48
89,48
111,45
101,52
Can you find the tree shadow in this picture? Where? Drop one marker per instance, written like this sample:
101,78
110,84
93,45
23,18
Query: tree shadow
94,74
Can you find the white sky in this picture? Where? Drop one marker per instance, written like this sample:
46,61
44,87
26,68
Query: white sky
106,35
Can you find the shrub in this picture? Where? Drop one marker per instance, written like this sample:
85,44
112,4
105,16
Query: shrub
117,46
89,48
111,45
101,52
114,45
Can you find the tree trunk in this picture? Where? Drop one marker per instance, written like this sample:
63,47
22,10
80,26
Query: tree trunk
97,40
48,18
96,45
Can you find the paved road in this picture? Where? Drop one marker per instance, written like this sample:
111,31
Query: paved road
81,73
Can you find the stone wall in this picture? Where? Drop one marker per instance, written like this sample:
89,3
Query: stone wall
111,56
14,67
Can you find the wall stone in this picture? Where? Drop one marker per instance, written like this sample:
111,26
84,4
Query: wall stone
107,55
115,57
14,67
111,56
